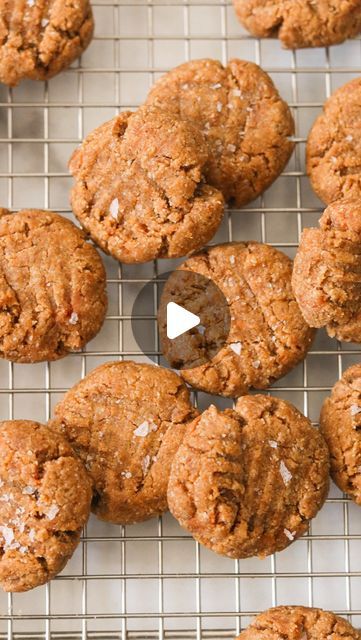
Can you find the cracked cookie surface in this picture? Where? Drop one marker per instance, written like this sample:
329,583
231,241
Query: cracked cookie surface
45,496
246,482
327,269
244,120
40,38
334,146
305,23
140,190
52,287
299,623
340,423
267,337
126,420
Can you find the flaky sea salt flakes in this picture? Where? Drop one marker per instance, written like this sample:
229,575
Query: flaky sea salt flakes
231,148
185,86
126,474
30,3
232,259
236,347
256,364
142,430
236,92
145,464
52,512
23,549
29,491
219,107
73,318
216,86
289,535
1,483
114,208
355,409
201,329
333,159
44,23
8,535
285,473
349,138
32,535
273,444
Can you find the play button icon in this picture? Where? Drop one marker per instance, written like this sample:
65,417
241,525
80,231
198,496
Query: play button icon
179,320
191,319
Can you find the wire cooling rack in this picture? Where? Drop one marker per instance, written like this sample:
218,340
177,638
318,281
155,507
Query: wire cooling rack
152,580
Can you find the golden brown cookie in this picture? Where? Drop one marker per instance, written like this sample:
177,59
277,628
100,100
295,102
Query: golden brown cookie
340,423
334,145
267,337
242,116
247,482
299,623
140,190
126,420
52,287
39,38
305,23
45,496
327,269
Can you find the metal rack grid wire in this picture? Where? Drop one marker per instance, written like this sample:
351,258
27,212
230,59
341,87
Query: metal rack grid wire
152,580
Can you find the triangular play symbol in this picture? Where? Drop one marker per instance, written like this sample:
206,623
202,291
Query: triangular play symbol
179,320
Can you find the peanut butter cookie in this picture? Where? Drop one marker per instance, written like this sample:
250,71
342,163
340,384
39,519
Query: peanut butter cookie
341,426
126,420
305,23
140,190
334,145
52,287
45,496
327,268
247,482
267,335
242,116
299,623
39,38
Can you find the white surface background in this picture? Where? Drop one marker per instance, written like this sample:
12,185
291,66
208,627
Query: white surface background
152,580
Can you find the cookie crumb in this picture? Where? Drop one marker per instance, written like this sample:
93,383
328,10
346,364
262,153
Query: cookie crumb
285,473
